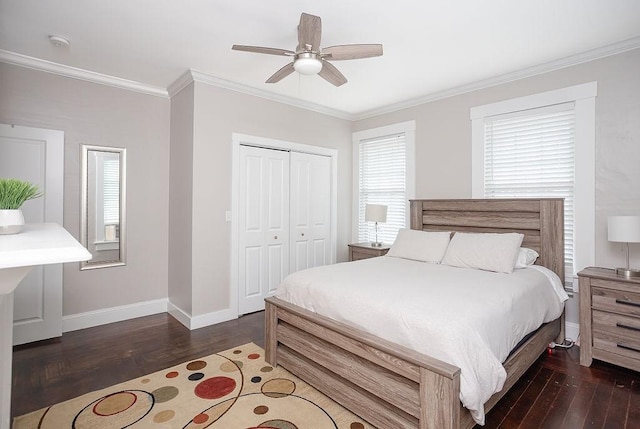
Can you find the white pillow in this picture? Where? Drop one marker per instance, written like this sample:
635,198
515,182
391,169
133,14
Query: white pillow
490,252
425,246
526,257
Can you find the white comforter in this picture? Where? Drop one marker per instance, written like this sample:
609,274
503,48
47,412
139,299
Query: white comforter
469,318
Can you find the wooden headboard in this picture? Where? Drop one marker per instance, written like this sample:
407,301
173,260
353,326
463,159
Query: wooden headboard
540,220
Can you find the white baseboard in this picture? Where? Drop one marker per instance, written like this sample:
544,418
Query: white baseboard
195,322
90,319
572,330
213,318
179,314
117,314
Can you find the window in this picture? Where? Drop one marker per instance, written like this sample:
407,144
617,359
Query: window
531,154
542,146
111,190
383,162
107,195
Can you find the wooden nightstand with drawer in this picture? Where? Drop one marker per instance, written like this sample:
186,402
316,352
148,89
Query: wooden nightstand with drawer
366,250
609,318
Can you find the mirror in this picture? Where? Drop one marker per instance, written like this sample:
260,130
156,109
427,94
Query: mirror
103,214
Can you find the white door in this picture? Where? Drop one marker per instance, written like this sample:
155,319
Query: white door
263,225
310,210
36,155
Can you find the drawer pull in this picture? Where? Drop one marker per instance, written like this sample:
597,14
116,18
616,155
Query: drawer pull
622,325
627,302
624,346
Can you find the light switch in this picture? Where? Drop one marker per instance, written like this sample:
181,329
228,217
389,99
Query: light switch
227,216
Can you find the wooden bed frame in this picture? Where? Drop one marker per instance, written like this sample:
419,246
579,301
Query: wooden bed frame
392,386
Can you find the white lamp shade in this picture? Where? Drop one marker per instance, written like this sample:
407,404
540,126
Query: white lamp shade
624,229
307,66
375,213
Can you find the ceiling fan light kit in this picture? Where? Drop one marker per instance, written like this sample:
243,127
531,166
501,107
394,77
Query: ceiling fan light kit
309,59
307,63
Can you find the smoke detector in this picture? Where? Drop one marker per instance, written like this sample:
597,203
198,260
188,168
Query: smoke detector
59,41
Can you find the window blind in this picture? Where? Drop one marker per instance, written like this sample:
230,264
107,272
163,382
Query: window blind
531,154
111,191
382,180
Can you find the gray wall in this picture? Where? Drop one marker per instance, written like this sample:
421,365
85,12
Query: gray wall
181,200
95,114
218,113
179,246
178,241
443,143
443,139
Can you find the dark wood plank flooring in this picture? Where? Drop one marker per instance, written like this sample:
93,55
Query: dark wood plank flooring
556,392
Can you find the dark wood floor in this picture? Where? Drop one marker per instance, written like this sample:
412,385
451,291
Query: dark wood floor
555,393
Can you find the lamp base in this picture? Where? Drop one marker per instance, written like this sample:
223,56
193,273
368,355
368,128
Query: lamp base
376,244
627,272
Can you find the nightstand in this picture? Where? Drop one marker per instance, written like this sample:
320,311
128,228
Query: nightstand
609,318
365,250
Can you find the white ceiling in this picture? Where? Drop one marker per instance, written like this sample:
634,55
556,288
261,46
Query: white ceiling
430,46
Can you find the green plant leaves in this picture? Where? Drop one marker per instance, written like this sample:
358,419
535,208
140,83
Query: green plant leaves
14,192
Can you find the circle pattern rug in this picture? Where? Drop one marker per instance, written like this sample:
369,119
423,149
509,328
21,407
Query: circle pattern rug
232,389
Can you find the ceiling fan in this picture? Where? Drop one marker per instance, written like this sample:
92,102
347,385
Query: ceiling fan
309,59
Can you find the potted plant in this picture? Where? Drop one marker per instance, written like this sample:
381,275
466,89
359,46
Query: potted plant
13,193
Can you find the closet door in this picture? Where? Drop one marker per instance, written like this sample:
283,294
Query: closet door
263,225
310,210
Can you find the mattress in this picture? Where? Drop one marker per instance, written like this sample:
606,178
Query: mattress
466,317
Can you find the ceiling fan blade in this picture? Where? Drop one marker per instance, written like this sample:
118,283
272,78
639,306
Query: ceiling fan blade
281,74
309,32
263,50
331,74
352,52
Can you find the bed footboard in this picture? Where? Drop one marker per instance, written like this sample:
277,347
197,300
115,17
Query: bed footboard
388,385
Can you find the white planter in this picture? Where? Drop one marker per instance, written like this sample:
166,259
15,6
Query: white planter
11,221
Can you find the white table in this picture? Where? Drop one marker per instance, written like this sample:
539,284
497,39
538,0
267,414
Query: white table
38,244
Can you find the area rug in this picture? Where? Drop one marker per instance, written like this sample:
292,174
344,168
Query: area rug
232,389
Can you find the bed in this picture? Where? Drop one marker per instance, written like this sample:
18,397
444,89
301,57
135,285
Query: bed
393,386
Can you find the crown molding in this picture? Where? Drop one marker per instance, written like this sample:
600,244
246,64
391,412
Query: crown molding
184,80
583,57
181,83
76,73
196,76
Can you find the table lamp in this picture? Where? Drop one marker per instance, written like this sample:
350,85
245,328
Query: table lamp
625,229
375,213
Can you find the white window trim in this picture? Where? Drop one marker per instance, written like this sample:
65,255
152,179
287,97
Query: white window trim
409,130
583,97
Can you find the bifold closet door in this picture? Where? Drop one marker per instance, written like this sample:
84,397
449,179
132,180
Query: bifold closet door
310,210
263,225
